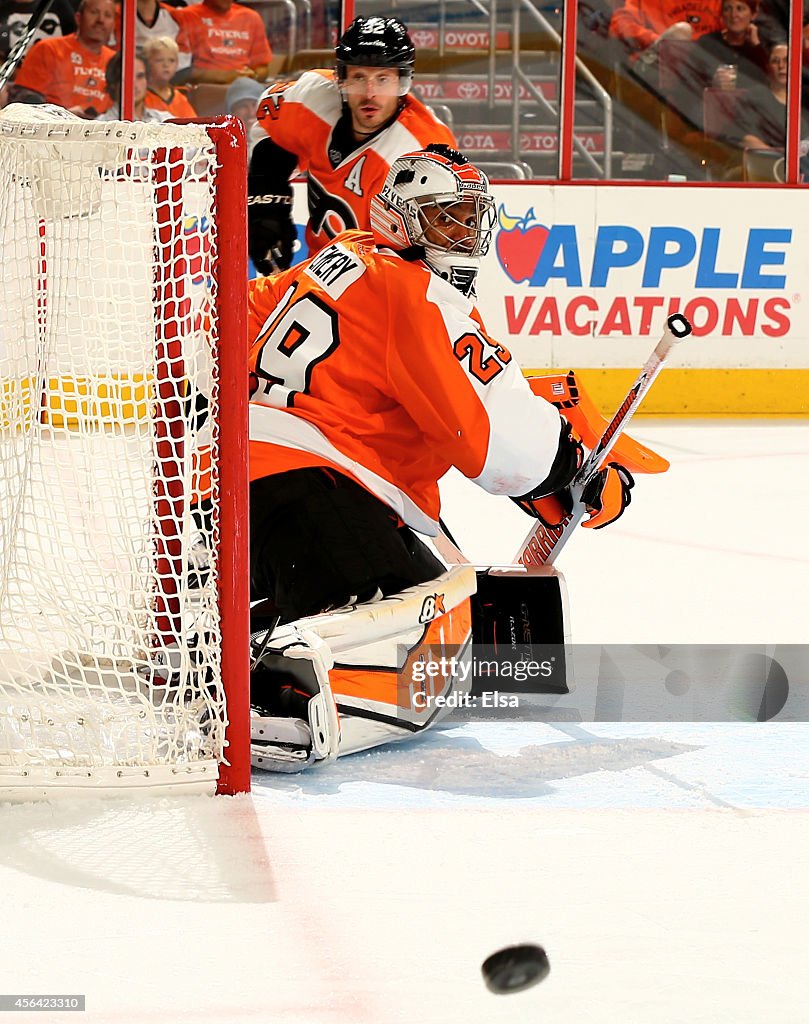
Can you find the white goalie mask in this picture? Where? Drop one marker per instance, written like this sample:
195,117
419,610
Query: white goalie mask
437,201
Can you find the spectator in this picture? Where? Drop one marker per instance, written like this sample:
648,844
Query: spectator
762,120
225,41
154,19
641,25
731,58
242,101
140,112
69,71
344,130
161,54
736,44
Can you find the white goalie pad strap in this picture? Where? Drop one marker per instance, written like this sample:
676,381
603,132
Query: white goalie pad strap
290,640
324,722
292,742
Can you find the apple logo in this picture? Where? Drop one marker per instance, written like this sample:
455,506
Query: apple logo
519,243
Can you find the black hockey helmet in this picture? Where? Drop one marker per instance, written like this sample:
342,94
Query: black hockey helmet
377,43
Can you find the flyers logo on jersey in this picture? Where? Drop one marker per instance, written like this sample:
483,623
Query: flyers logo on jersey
270,103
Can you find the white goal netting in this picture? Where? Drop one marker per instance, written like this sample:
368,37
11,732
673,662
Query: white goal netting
110,642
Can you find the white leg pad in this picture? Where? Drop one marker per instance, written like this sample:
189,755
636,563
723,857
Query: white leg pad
372,634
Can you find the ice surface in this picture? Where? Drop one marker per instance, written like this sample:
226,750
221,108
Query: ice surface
663,868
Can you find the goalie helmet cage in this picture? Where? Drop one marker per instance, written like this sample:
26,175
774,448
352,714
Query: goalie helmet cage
124,606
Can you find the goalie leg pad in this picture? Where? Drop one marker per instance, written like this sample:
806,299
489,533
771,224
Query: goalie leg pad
376,645
380,650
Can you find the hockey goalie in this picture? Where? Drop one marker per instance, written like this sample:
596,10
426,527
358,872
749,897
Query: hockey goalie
371,374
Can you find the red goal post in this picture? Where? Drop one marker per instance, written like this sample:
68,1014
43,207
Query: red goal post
124,590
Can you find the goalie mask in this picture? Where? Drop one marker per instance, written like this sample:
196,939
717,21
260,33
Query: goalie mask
376,43
437,201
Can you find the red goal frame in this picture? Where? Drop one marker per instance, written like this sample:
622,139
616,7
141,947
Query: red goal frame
230,191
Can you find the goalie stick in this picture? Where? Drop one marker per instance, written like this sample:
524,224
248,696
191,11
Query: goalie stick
543,543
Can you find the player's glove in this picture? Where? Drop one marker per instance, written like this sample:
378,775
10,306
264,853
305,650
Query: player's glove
550,510
607,495
270,231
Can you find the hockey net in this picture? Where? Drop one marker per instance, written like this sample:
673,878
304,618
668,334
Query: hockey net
123,657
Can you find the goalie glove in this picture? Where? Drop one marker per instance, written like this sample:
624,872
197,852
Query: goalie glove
607,495
551,511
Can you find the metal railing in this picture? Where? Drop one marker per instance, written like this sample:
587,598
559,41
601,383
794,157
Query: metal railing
518,77
505,169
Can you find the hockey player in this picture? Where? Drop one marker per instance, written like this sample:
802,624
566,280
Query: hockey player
343,130
371,374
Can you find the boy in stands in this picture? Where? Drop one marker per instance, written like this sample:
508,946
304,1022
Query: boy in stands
161,55
344,130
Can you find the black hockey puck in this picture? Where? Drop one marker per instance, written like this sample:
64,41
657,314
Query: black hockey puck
515,968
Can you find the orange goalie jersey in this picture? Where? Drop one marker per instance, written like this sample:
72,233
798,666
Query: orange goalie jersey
300,117
375,366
